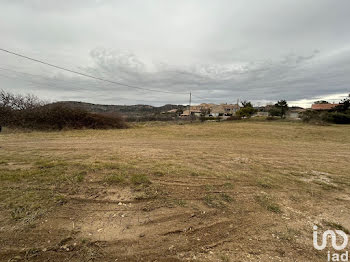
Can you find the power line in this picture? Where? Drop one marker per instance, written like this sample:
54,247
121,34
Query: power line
48,79
40,76
87,75
37,84
51,81
57,79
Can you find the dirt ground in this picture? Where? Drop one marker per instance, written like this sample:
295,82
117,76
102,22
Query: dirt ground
230,191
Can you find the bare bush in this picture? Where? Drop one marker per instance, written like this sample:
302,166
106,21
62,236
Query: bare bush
30,112
18,101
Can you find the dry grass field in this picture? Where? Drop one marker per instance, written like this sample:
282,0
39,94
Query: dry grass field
230,191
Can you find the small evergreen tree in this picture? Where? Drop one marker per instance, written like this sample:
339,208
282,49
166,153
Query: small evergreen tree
279,109
247,110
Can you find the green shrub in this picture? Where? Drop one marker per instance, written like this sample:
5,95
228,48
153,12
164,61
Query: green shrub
337,118
140,179
312,116
268,203
246,112
114,179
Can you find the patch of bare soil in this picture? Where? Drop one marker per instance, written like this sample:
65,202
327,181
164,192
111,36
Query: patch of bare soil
195,219
319,177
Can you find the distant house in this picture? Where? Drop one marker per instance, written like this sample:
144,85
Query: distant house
292,113
217,110
212,110
224,110
231,109
320,107
262,111
295,112
194,112
185,113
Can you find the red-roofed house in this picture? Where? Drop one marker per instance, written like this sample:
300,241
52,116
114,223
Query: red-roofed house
323,106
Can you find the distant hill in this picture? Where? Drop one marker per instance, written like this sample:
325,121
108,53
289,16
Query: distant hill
131,112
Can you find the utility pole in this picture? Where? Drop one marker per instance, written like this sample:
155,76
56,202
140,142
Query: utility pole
189,108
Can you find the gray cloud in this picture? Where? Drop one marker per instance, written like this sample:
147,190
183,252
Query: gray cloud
219,50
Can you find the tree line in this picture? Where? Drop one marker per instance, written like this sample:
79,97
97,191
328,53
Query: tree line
339,114
247,110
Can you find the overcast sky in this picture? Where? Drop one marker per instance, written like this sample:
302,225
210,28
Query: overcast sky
220,50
